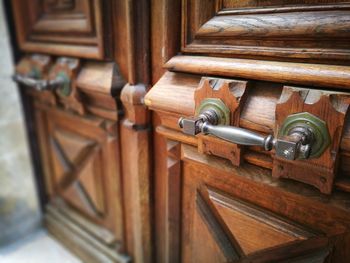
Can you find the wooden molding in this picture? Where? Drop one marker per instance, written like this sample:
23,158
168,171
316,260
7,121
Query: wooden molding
290,30
173,203
332,109
285,72
135,148
79,239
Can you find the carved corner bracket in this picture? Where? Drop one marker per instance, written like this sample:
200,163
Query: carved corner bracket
331,107
137,115
68,94
233,94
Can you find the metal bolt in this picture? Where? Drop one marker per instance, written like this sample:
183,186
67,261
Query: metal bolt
181,122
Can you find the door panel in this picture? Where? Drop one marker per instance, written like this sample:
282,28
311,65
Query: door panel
62,27
288,30
81,172
219,226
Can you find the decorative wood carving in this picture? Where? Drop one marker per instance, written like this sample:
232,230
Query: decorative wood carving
329,107
218,231
220,227
237,229
232,93
80,150
290,30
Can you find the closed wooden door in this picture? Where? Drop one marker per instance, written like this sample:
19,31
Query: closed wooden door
269,62
82,86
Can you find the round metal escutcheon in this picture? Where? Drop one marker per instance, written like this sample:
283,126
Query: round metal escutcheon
218,106
35,73
317,126
65,89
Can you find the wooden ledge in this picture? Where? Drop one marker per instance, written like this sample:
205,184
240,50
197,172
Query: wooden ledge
285,72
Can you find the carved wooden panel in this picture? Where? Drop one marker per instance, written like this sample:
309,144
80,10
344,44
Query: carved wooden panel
82,158
313,30
221,227
63,27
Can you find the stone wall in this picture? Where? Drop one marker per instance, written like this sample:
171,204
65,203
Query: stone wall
19,209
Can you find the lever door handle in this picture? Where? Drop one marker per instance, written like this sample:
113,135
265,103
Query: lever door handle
39,84
301,140
238,135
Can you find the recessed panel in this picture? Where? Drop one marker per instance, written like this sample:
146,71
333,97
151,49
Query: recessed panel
291,30
232,4
62,27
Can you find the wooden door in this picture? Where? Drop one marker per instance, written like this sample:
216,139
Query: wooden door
84,171
217,201
84,180
83,77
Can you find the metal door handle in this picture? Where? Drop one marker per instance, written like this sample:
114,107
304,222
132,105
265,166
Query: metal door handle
304,137
39,84
238,135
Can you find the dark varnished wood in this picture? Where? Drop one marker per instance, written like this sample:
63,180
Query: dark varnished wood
332,108
281,30
233,94
242,213
154,194
257,113
99,201
136,171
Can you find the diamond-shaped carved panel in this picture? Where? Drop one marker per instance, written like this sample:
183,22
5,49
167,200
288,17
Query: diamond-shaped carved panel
226,229
78,171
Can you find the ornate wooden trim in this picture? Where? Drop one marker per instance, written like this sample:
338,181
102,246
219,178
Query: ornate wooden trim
233,94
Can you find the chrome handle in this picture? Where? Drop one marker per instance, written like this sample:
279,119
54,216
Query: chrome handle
238,135
39,84
297,144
